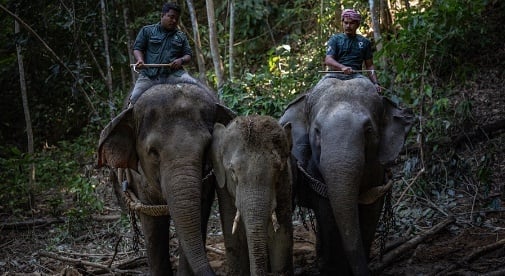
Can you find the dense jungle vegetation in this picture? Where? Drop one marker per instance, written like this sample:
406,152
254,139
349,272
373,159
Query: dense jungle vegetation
65,73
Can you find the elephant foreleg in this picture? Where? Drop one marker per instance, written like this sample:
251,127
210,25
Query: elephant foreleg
157,236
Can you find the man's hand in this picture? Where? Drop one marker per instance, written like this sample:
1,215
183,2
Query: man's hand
177,64
347,70
139,64
378,87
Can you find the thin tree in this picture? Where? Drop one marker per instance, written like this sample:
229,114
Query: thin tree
129,41
198,44
26,109
214,46
107,57
231,39
374,16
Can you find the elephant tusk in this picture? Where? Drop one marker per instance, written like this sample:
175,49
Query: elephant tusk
235,222
374,193
275,222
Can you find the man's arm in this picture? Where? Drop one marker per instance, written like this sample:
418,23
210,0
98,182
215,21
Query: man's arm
335,65
139,56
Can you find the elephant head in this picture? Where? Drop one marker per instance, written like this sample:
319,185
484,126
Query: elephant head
251,163
163,141
344,134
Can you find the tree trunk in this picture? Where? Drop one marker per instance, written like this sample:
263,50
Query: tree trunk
374,15
129,41
214,45
107,57
232,38
198,44
26,109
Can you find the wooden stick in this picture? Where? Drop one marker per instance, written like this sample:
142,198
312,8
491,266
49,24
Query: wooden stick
153,65
392,255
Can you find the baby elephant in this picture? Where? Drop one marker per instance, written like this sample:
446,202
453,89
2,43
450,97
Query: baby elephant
251,164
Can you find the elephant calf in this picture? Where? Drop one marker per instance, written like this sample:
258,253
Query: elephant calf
251,163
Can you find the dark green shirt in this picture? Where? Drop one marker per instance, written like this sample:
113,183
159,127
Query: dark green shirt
161,47
349,50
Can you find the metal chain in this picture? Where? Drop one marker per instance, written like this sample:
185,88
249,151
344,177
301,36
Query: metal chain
136,231
388,222
301,214
208,175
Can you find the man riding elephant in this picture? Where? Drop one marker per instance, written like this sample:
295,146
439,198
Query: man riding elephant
347,51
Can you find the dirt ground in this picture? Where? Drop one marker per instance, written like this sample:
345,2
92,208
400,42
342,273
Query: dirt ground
470,241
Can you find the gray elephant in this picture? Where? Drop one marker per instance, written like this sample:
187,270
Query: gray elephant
251,163
163,142
344,134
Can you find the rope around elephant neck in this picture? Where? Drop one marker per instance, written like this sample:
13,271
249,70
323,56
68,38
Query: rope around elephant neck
134,204
318,186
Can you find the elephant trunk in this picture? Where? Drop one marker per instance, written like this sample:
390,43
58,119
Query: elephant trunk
185,210
341,167
256,214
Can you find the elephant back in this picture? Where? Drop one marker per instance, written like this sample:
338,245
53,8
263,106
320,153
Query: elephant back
180,101
356,92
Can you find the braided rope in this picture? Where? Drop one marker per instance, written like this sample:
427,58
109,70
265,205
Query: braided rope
134,204
316,185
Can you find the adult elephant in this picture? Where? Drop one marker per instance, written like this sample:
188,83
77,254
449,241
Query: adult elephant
251,163
344,134
163,142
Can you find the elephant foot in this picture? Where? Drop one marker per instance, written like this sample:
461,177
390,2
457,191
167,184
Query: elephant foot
205,271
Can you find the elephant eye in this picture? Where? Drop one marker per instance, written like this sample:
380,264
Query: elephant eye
153,153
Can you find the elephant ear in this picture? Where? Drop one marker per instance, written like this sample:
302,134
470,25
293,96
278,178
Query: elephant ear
224,115
217,154
396,125
287,130
296,115
116,147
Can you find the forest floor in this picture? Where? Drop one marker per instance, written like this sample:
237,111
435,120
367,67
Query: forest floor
452,228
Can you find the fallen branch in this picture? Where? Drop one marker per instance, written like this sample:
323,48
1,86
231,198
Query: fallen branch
389,257
215,250
128,264
26,224
476,254
77,262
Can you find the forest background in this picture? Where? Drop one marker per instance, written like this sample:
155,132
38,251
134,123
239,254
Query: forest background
65,73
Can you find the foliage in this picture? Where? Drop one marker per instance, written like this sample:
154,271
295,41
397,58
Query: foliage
62,174
441,32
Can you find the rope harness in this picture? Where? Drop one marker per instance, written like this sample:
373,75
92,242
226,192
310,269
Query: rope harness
135,206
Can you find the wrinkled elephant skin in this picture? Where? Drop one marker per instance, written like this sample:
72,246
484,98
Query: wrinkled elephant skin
251,162
344,134
162,142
